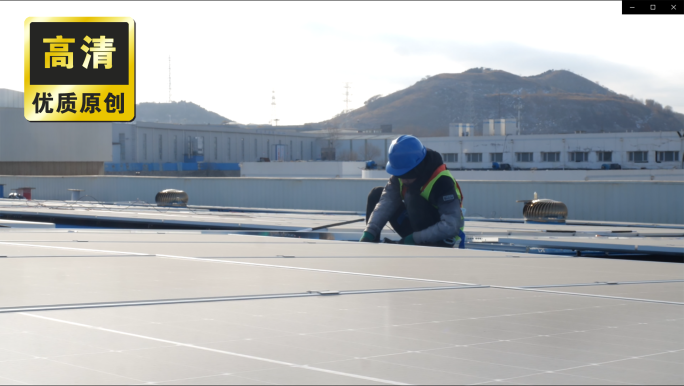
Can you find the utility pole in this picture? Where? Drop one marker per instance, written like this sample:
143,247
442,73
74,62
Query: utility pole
274,120
519,122
499,92
346,96
169,78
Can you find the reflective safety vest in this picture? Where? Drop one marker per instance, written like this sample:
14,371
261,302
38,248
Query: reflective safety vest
427,188
459,239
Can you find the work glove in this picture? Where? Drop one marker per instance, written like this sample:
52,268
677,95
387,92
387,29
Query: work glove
408,240
367,238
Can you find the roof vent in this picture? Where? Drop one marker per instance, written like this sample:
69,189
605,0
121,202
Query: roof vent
172,197
544,211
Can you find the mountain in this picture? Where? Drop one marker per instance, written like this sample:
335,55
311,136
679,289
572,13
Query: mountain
177,112
553,102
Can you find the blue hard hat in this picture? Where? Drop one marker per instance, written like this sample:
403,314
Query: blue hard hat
405,153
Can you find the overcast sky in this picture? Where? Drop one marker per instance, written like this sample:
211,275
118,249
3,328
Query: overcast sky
228,57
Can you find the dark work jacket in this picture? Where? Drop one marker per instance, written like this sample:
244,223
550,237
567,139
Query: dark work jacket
444,221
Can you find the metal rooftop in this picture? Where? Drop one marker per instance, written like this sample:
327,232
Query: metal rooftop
167,306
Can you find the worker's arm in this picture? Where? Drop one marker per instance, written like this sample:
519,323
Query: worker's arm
444,197
389,203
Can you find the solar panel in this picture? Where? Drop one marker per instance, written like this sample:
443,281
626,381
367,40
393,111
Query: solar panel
189,307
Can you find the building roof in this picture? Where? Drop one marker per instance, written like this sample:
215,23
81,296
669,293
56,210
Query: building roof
11,98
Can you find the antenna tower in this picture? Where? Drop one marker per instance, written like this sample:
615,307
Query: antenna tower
346,97
169,78
274,120
518,122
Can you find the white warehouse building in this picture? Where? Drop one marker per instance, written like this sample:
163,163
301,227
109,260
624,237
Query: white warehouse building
645,150
49,148
148,142
652,150
162,142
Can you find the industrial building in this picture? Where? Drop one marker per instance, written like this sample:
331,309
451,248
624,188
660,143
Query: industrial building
84,148
49,148
148,142
489,128
500,141
11,99
645,150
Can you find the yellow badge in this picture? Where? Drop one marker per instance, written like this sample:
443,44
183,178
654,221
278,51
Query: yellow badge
79,69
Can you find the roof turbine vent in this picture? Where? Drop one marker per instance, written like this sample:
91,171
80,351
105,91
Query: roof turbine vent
544,211
172,197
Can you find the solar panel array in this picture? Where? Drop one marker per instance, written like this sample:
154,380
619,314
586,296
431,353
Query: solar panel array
191,307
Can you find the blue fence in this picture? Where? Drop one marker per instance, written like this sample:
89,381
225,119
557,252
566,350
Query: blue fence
152,167
168,166
134,167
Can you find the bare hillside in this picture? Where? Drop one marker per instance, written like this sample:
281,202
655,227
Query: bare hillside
177,112
551,102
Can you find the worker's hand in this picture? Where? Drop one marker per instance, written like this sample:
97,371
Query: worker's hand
367,238
408,240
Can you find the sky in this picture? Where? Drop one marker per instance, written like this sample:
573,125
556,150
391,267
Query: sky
230,57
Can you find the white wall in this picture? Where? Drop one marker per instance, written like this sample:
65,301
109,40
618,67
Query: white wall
570,175
500,127
461,129
11,98
316,169
365,149
555,175
24,141
627,201
380,173
618,143
142,143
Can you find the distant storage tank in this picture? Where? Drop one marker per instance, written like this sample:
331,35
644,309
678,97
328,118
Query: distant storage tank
171,197
545,211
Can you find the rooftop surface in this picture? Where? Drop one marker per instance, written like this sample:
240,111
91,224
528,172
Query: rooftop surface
231,307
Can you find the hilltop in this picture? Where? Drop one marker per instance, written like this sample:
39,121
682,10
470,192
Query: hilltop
177,112
553,102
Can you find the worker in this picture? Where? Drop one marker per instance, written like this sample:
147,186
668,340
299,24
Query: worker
421,201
